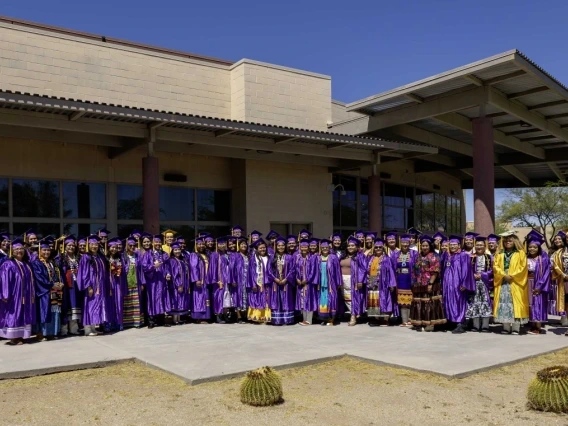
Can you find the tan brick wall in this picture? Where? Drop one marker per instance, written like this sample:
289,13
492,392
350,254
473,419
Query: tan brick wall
340,113
61,65
266,93
288,193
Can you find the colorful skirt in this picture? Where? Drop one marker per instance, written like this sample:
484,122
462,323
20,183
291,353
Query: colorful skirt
505,308
346,289
479,304
132,316
282,317
259,315
404,298
427,307
373,303
53,327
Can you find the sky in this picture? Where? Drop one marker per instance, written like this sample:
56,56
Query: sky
367,47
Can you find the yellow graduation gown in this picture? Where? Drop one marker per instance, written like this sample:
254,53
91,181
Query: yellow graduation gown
518,270
558,278
167,248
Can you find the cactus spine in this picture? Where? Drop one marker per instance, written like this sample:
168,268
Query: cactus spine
548,391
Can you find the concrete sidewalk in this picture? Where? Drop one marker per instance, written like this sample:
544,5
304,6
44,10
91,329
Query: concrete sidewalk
199,353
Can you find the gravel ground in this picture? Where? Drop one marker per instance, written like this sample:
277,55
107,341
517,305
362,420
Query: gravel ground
339,392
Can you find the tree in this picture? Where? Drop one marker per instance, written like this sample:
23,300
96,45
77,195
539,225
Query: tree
545,208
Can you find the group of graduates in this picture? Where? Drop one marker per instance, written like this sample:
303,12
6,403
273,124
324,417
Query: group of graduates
66,286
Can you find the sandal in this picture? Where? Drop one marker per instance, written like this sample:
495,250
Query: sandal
352,322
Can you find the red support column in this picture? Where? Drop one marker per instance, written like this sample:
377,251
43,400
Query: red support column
483,176
151,194
375,210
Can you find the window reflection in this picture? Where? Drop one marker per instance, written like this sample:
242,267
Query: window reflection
4,210
213,205
83,229
35,198
129,202
43,229
84,200
176,203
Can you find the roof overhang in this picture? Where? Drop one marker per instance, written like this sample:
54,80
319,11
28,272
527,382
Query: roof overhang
528,107
124,128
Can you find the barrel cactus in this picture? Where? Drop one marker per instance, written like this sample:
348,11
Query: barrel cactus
261,387
548,391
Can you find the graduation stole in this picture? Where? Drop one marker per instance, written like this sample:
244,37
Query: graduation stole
19,264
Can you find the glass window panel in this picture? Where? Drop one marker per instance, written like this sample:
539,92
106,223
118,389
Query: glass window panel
297,227
281,228
409,197
176,203
418,199
336,213
43,229
364,215
84,200
35,198
394,217
440,204
4,198
216,231
4,226
350,185
348,214
410,219
428,221
394,195
213,205
125,230
427,201
364,187
188,231
83,229
129,202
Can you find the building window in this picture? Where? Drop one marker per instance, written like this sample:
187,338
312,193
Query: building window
84,200
213,205
397,202
177,204
35,198
285,229
129,202
4,194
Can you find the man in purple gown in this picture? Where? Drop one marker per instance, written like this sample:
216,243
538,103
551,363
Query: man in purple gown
306,286
200,282
281,272
156,276
93,281
17,296
457,283
224,294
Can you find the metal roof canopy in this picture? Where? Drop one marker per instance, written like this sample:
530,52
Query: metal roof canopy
124,128
529,108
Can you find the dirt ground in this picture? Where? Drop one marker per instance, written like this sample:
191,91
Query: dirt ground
339,392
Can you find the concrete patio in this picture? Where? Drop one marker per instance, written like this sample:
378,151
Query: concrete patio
200,353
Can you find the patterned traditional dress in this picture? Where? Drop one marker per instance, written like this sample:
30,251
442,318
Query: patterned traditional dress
505,310
132,316
427,308
479,304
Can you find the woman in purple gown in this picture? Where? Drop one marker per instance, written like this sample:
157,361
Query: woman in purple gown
353,266
93,281
178,285
380,282
239,276
328,280
281,295
200,282
258,284
68,262
17,296
224,294
118,285
539,278
306,287
156,276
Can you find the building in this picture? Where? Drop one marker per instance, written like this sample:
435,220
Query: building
98,131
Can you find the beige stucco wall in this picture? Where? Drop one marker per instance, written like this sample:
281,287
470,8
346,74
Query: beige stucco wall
288,193
339,112
264,93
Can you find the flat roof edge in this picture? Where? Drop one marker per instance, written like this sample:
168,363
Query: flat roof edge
279,67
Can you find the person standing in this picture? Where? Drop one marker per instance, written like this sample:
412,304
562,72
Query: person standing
427,306
380,282
117,279
353,268
493,244
404,260
169,238
271,241
291,245
156,276
132,315
457,283
306,293
223,299
68,262
479,306
17,296
281,272
369,243
337,243
239,274
200,282
538,264
559,267
469,242
259,284
179,290
49,292
511,307
328,280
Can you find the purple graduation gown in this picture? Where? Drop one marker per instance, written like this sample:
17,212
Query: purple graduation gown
239,278
201,296
281,297
306,295
179,270
18,311
258,299
221,273
43,286
387,283
93,273
72,298
358,296
334,282
456,273
542,281
155,280
139,273
118,285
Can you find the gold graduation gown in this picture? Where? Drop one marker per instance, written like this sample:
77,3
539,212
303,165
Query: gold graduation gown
558,280
518,270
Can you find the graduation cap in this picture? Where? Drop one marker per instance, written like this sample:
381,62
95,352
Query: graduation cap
203,234
46,242
209,237
508,233
304,243
413,231
480,239
272,235
535,237
29,232
379,242
136,233
113,242
373,235
291,238
391,235
180,239
304,233
258,242
259,234
103,232
471,235
222,240
455,239
439,235
359,233
492,238
313,240
131,240
158,237
169,231
81,239
325,243
561,234
237,228
17,243
353,240
405,237
336,236
280,239
199,239
4,236
69,239
424,237
175,245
